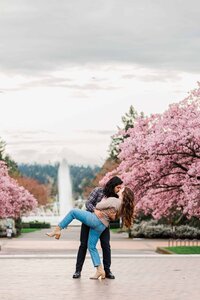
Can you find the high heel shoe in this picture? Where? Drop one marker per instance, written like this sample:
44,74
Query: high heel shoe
100,273
55,233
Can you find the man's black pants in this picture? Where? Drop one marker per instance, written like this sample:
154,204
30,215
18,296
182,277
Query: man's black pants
105,245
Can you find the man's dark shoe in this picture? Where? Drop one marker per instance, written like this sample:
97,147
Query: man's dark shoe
77,275
110,275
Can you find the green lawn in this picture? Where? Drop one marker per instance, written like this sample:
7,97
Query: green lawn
27,230
114,229
184,249
118,230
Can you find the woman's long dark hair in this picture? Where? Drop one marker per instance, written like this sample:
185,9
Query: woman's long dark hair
109,189
127,208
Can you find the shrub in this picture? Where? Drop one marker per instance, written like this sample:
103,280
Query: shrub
36,224
152,229
7,222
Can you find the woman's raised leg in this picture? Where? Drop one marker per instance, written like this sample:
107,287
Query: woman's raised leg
83,216
86,217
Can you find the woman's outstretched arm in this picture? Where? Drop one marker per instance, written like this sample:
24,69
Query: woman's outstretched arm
110,202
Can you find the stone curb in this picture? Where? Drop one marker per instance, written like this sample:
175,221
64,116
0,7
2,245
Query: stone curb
71,256
118,256
162,250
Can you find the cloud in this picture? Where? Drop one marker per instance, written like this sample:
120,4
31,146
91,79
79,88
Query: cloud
97,132
82,147
153,75
39,36
49,155
53,81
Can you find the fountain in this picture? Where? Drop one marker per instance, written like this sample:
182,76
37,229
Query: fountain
59,208
64,189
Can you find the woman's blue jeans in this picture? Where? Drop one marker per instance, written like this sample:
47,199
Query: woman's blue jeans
96,228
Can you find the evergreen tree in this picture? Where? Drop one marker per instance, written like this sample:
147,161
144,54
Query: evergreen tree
11,164
128,121
2,149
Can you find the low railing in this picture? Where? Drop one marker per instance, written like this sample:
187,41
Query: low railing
183,242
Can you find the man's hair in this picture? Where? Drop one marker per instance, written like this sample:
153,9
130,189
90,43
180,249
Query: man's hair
110,186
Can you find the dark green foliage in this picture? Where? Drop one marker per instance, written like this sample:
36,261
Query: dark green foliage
81,176
18,226
43,173
12,166
115,224
194,222
36,224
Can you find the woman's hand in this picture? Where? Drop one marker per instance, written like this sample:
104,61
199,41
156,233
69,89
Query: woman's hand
112,216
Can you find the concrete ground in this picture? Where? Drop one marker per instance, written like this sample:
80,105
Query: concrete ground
141,278
34,266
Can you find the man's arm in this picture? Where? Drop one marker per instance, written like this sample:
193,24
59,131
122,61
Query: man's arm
92,199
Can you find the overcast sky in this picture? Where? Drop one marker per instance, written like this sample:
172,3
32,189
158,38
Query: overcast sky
69,70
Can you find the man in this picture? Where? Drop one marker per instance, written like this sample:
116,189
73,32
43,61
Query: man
111,189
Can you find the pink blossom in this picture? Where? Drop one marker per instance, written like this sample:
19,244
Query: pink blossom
14,199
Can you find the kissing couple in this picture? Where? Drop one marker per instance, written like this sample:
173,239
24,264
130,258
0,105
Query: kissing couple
106,204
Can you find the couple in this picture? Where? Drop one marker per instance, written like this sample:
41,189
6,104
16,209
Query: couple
103,205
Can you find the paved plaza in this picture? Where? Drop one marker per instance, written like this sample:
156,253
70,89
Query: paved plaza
138,278
28,273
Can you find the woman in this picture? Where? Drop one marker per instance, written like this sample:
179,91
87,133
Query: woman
111,189
110,208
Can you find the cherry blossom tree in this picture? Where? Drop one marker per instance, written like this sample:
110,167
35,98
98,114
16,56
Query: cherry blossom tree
160,160
14,199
